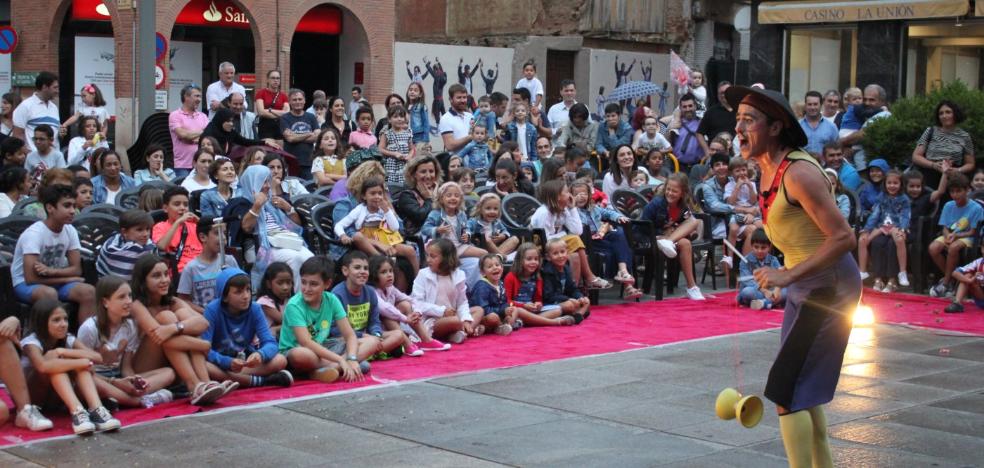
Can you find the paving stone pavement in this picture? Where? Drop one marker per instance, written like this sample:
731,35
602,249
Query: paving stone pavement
901,402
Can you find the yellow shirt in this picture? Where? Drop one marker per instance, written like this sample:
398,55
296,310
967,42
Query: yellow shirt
788,226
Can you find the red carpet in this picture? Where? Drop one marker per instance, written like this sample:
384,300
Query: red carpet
611,328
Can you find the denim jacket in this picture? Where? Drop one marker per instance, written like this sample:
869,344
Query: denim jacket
476,156
714,202
593,219
745,269
436,218
896,208
342,208
419,123
99,191
531,135
477,227
608,142
489,120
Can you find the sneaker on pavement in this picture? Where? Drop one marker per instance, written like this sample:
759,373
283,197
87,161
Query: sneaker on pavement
457,337
939,290
412,350
517,324
903,279
325,374
503,330
30,417
433,345
281,378
890,287
879,286
954,308
103,419
757,304
365,367
864,275
694,293
157,398
667,247
81,424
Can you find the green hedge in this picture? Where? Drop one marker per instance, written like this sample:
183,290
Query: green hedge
895,138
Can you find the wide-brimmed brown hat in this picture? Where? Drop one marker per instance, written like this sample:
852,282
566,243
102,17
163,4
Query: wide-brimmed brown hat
771,103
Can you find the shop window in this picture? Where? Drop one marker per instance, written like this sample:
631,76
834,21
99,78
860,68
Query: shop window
820,59
942,52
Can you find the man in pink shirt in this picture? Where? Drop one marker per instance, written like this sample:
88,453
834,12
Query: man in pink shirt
186,125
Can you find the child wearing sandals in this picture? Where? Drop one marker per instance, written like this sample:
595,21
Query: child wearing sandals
376,219
524,291
397,309
486,223
489,296
605,235
560,219
12,375
115,336
275,290
442,283
558,283
448,221
55,360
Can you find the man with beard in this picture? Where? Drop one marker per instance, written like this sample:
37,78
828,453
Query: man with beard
688,145
873,108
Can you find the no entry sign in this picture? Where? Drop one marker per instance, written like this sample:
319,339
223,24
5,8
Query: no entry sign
8,39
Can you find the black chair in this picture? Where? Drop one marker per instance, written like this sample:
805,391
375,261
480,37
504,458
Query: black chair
179,180
104,208
517,209
713,219
484,189
303,205
855,217
649,191
311,186
628,202
324,191
706,243
11,229
129,198
21,205
395,188
159,216
94,229
324,224
641,235
470,202
154,130
195,201
155,184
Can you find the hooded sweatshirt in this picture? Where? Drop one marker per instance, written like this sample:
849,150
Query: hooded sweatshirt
229,334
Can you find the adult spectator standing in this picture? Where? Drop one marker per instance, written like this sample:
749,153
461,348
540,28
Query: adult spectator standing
559,113
718,118
271,103
831,106
944,141
875,100
819,131
337,118
356,102
317,94
39,109
455,125
833,155
299,130
244,122
218,91
688,146
186,125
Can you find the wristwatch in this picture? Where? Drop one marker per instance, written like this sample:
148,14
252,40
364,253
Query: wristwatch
351,357
180,327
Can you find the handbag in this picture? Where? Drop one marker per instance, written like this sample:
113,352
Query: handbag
285,240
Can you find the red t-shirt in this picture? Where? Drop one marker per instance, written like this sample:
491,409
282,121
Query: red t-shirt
271,100
192,246
674,212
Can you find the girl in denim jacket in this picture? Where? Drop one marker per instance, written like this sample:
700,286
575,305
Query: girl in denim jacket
884,231
606,236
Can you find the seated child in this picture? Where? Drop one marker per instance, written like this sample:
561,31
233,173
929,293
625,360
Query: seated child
741,193
83,192
308,319
486,224
672,216
12,375
361,304
177,235
243,349
920,203
47,258
524,291
376,219
970,281
558,283
606,236
465,177
638,179
749,292
197,283
120,252
114,335
959,221
884,236
442,283
396,309
488,295
448,221
56,361
559,218
276,288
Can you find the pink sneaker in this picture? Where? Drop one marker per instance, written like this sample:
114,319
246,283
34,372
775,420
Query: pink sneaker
412,350
433,345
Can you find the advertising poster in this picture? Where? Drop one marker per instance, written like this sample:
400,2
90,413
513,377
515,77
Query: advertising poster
94,63
184,67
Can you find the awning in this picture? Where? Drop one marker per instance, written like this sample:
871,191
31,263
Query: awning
860,10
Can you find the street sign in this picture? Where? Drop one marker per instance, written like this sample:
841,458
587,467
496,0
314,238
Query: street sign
158,76
8,39
23,79
161,47
160,99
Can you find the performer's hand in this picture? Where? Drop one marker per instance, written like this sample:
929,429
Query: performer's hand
771,277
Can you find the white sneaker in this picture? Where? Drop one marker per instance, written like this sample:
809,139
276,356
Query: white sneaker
694,294
30,417
157,398
903,279
728,261
81,424
757,304
667,247
864,275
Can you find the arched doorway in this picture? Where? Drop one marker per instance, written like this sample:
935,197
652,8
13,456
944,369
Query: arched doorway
328,51
205,34
87,54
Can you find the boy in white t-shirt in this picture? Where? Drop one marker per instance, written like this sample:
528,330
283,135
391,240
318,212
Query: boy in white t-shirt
740,192
531,83
45,156
47,260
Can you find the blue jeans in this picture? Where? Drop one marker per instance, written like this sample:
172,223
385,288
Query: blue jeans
616,246
178,172
751,293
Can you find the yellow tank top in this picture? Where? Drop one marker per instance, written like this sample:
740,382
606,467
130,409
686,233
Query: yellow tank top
788,226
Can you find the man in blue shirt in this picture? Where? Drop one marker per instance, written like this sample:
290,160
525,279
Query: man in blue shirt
819,131
833,155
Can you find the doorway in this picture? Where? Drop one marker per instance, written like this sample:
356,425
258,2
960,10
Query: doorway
560,67
313,63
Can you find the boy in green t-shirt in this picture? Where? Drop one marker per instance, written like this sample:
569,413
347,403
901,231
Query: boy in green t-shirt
308,318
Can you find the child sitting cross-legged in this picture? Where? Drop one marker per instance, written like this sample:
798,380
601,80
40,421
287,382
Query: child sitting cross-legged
488,296
276,288
243,349
362,309
970,282
120,252
750,294
397,309
442,283
524,290
308,320
558,283
197,284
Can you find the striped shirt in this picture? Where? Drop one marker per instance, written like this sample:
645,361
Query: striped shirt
951,145
118,255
